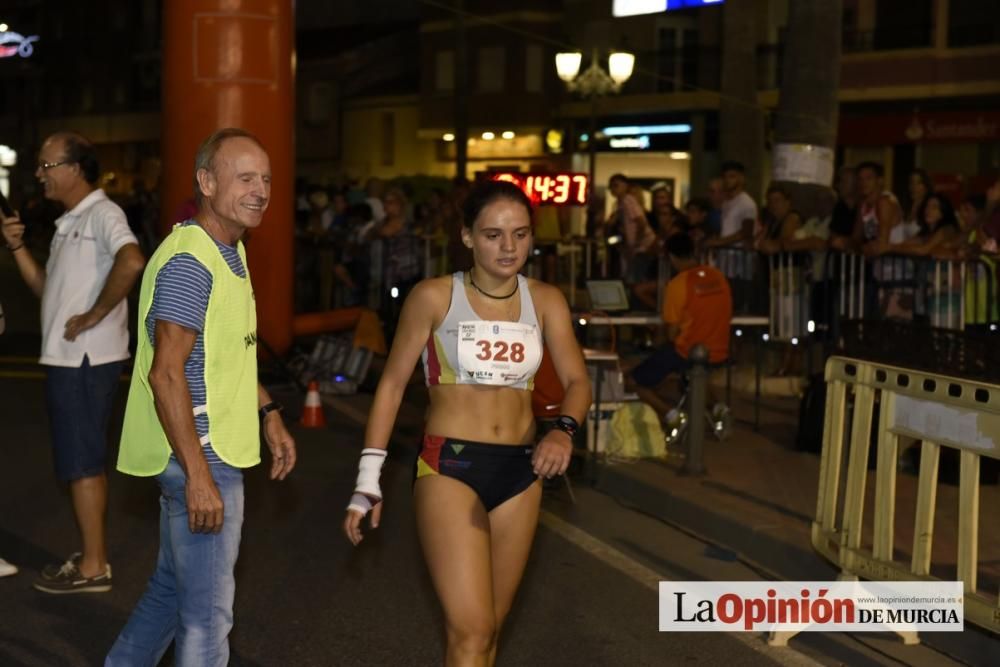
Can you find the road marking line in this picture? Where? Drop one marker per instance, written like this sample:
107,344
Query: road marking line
602,551
651,579
32,375
18,360
611,556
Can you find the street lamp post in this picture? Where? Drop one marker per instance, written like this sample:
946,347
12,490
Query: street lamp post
594,82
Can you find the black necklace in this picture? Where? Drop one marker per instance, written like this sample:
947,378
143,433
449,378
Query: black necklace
485,293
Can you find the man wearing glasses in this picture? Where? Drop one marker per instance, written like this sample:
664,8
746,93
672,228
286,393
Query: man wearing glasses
94,260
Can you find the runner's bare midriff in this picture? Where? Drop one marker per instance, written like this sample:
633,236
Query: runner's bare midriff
481,413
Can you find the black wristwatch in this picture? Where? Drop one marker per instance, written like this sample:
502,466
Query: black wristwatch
567,424
270,407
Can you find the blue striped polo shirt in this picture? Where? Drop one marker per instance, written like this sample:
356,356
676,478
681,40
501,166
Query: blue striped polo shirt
180,296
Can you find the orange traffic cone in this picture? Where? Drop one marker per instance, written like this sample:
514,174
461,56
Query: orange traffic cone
312,413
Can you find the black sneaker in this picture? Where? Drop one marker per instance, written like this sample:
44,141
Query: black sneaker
69,580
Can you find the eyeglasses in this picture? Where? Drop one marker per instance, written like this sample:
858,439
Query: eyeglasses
45,166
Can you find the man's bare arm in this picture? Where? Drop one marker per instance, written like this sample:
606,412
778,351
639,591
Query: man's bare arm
126,269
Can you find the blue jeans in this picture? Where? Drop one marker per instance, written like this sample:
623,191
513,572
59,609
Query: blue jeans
189,598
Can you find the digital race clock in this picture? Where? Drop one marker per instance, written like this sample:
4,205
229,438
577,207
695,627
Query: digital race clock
548,188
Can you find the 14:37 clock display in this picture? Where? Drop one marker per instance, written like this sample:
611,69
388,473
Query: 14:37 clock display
548,188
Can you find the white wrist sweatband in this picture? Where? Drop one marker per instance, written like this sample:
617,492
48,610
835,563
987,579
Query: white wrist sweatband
367,492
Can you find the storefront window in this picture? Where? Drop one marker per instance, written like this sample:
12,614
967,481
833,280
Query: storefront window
678,58
666,82
492,69
534,68
903,24
973,23
444,71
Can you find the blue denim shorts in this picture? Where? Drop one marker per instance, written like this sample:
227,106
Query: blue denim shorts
79,403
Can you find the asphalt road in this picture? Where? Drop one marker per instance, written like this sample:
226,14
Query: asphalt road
304,595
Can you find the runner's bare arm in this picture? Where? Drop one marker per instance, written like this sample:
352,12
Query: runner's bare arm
552,455
423,307
560,339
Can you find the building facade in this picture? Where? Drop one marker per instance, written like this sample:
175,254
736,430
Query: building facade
95,68
380,88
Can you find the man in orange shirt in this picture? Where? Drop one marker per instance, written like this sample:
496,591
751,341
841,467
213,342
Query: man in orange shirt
697,309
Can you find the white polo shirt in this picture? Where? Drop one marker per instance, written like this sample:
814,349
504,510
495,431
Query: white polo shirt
80,259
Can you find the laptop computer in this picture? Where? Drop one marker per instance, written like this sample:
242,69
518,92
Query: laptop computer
608,295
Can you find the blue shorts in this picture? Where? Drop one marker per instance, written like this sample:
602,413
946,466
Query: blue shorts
655,369
496,473
79,403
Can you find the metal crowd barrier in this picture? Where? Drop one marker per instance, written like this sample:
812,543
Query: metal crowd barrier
575,258
971,354
803,293
844,275
435,255
942,413
949,294
778,286
742,268
789,295
809,293
587,257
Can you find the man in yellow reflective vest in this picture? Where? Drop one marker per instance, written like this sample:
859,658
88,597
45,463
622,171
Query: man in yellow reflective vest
192,413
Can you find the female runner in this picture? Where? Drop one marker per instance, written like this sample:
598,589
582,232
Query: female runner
477,489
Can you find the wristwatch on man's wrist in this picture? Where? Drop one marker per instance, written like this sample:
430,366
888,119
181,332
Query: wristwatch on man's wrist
270,407
567,425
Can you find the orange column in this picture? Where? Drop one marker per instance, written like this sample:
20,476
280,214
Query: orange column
231,63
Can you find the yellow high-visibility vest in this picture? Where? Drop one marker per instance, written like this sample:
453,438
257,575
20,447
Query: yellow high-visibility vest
230,339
